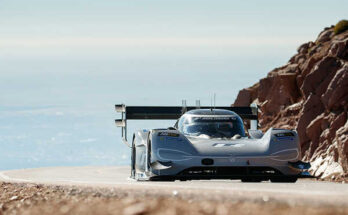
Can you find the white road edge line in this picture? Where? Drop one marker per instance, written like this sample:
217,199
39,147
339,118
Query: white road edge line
7,178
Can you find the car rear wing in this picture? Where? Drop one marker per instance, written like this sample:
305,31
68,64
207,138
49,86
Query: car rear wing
174,113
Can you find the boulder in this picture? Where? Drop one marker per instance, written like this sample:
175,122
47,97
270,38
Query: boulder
313,130
307,66
243,98
325,35
337,123
299,59
247,96
336,95
303,49
339,49
311,109
342,145
321,71
280,91
264,89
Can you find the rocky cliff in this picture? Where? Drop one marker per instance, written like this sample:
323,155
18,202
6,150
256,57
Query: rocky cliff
310,94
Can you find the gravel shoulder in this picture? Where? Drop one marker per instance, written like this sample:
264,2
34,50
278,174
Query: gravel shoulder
29,198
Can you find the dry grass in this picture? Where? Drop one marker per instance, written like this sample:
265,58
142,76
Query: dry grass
341,26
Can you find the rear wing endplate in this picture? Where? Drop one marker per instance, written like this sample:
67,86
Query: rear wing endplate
174,113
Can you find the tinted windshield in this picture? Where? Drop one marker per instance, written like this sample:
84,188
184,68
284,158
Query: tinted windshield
214,127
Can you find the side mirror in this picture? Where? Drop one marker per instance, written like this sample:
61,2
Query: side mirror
255,134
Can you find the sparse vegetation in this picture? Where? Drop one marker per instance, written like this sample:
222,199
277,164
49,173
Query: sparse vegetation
341,26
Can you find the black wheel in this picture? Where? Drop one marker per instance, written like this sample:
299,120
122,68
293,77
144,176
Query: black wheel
148,162
162,178
133,154
250,180
284,180
149,154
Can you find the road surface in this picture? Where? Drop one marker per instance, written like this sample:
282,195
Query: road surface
302,192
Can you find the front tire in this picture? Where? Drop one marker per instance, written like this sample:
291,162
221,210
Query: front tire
148,155
284,180
133,158
250,180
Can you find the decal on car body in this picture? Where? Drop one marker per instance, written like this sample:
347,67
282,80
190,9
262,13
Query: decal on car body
168,134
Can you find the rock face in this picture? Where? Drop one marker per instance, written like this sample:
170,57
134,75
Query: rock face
310,94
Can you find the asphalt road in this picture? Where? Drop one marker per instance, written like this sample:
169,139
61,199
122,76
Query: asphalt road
304,191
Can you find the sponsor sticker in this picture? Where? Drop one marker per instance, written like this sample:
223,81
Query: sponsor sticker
227,144
168,134
288,134
214,119
285,136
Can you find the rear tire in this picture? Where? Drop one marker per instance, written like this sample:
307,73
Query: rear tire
284,180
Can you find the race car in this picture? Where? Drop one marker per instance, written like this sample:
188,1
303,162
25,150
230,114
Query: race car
210,143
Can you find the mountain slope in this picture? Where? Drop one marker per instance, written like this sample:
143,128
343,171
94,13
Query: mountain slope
310,94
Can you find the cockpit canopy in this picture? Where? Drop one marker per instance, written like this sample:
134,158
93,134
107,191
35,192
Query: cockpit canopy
214,123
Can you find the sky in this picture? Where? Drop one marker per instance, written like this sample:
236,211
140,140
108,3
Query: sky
65,63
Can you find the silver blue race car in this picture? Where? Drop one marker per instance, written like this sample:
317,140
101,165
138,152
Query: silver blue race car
210,143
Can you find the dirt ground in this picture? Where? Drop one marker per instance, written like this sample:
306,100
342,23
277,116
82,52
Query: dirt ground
20,198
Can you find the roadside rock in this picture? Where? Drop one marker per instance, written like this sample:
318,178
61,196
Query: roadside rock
318,79
339,49
247,95
136,209
311,109
310,94
342,146
336,95
313,130
244,98
325,35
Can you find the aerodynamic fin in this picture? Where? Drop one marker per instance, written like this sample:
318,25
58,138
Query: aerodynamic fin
158,165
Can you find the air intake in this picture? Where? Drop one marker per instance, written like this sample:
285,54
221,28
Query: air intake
207,161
